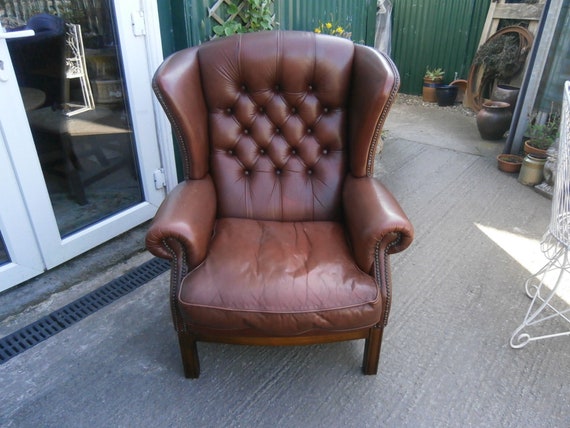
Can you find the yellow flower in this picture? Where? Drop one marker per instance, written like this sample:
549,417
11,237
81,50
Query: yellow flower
328,25
339,30
317,30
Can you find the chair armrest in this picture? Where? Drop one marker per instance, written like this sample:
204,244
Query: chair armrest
183,225
375,221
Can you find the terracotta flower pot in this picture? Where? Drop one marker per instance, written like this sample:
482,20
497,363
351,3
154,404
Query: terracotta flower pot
509,163
428,92
535,151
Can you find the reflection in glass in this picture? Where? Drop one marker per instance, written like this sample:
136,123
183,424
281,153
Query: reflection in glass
4,257
72,84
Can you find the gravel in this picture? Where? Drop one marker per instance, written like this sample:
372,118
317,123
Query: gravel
416,100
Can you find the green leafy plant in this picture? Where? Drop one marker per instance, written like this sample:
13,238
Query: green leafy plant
502,56
255,15
434,73
543,135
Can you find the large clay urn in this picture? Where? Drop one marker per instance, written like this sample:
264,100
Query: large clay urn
507,94
494,119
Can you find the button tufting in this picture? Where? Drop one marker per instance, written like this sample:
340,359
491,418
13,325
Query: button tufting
230,152
277,87
261,109
243,88
325,151
278,171
229,110
278,130
261,151
246,172
326,109
309,130
310,171
246,131
293,152
310,87
293,110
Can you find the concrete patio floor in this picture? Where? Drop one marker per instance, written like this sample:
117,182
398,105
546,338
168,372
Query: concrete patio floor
458,295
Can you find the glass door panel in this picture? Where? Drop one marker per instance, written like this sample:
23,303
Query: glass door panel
4,256
72,85
82,139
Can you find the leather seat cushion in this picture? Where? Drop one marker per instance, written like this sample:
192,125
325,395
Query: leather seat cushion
279,278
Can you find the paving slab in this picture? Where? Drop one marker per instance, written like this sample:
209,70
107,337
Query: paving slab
445,360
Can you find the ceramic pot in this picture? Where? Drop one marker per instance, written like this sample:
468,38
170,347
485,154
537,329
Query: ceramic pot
446,95
535,151
532,170
509,163
506,94
493,120
428,92
461,88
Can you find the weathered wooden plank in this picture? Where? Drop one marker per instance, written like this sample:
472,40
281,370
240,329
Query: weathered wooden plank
526,12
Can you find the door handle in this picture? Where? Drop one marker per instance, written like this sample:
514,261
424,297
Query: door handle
17,34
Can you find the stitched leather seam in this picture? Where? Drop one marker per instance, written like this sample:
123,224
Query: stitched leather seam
386,274
175,280
304,311
177,131
382,119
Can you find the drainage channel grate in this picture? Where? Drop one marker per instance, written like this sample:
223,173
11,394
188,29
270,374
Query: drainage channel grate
59,320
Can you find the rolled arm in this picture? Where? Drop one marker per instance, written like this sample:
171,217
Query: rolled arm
184,222
374,217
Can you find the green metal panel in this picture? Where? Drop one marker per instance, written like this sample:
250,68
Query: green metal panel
186,23
435,33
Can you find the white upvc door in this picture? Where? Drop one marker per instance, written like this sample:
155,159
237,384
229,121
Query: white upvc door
30,223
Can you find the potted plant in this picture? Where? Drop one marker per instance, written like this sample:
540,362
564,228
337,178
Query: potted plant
433,78
542,136
509,163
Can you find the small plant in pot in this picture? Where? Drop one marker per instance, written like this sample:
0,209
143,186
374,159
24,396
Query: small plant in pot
542,136
509,163
433,78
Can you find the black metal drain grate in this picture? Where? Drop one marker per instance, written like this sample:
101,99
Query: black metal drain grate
59,320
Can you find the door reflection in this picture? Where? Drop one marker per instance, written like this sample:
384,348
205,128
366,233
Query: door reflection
72,85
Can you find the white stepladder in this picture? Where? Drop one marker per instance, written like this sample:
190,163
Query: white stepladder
554,278
76,68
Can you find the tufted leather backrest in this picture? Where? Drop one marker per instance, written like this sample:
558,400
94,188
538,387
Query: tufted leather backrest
266,115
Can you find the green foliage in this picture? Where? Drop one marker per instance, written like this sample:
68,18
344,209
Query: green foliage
543,135
434,73
501,56
256,15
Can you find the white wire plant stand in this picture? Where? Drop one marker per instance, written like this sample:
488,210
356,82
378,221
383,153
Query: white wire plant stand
545,286
76,68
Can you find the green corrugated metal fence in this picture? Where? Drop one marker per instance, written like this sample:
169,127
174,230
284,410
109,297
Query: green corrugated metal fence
186,23
435,33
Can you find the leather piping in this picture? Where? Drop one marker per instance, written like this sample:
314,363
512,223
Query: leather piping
382,118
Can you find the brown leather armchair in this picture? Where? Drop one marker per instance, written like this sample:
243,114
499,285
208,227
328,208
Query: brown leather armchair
279,234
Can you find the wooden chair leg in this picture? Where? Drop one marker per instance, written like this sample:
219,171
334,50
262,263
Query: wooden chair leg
372,351
189,353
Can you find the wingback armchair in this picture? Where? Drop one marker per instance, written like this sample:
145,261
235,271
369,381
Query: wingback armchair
279,234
